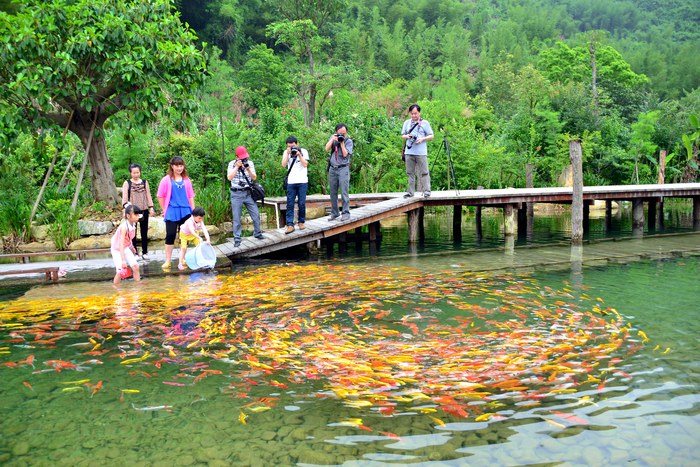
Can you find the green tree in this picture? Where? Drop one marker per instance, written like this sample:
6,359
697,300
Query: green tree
94,60
642,145
264,76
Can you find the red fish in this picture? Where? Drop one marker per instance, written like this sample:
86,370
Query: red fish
570,417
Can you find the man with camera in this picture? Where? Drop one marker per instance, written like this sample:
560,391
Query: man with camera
296,160
340,147
241,173
417,132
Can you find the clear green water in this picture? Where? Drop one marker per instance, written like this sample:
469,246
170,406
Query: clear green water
413,349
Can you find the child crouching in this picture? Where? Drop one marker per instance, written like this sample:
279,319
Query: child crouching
123,251
188,233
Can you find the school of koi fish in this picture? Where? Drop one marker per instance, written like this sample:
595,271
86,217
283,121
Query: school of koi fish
383,341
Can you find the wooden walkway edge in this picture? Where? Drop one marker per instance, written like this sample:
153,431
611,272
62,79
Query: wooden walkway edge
391,204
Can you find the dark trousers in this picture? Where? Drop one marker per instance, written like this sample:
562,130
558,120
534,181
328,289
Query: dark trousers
143,226
171,228
294,190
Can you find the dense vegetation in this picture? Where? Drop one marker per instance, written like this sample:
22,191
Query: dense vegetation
508,82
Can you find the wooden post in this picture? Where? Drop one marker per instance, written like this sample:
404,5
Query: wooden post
457,222
70,164
696,213
373,231
342,237
576,155
608,215
652,213
478,219
413,226
421,225
637,213
586,215
662,179
509,217
529,183
522,219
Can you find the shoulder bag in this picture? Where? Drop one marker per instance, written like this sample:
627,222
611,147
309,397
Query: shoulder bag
256,190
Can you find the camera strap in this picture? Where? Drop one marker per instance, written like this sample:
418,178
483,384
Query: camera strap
409,132
293,161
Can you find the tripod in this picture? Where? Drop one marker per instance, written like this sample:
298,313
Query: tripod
449,158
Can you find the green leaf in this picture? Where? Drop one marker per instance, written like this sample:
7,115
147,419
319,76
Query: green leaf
688,148
695,122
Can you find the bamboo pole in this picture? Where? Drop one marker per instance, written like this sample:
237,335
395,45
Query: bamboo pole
87,151
48,174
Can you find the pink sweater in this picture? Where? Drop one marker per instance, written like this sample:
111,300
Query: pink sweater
165,190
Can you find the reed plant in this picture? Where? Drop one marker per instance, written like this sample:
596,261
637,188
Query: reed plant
64,228
217,206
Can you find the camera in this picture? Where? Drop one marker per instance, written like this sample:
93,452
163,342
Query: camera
245,163
294,150
410,141
340,136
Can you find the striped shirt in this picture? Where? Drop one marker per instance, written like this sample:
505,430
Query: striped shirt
238,180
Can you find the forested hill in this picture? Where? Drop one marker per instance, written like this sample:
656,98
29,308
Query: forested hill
658,38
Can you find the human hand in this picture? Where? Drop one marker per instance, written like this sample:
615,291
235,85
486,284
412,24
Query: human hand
124,264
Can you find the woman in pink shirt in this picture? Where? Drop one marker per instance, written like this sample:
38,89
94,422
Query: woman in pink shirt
176,198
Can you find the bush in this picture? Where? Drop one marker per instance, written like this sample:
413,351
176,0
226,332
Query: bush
15,222
64,228
217,207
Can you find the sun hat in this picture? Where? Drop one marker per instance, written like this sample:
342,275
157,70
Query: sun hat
242,152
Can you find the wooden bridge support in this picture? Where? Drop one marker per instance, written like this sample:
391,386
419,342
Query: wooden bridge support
637,213
421,223
509,216
651,210
576,155
529,183
608,215
373,231
660,214
457,222
522,220
412,226
696,213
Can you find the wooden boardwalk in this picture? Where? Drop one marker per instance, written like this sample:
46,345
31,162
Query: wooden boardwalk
374,207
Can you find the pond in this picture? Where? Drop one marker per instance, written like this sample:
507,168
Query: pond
442,354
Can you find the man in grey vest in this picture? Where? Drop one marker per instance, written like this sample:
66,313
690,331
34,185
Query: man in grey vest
340,147
417,132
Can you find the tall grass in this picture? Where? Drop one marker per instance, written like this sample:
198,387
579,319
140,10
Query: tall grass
217,207
64,228
15,222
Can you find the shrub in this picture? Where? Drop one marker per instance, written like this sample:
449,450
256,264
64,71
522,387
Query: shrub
64,228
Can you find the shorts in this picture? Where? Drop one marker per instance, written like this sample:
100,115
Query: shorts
185,238
128,254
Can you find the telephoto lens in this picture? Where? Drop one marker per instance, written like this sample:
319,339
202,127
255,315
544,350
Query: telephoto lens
294,150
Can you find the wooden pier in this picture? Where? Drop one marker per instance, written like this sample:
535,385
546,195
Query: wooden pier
369,209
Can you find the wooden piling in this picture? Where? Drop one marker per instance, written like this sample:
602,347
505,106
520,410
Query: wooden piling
586,215
608,215
576,156
457,222
478,219
522,219
342,237
651,209
509,217
373,231
637,213
696,212
659,224
421,224
412,226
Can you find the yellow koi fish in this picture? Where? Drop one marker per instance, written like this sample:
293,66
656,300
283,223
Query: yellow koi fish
129,390
485,416
72,389
437,420
82,381
553,423
259,409
242,418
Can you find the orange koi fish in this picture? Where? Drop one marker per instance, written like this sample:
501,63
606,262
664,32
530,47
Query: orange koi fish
98,386
28,385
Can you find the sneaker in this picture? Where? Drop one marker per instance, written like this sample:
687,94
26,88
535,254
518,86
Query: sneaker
144,256
345,217
290,229
237,243
426,195
332,218
262,237
181,267
302,226
166,266
407,195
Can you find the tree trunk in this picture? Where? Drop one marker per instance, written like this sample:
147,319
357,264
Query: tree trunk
312,103
101,176
594,77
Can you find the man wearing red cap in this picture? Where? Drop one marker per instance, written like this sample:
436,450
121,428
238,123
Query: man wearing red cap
241,173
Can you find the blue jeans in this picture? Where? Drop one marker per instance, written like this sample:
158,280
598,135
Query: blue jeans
294,190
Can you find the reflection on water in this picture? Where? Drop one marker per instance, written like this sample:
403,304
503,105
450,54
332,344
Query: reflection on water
351,364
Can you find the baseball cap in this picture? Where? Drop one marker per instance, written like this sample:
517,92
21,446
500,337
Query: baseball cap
242,152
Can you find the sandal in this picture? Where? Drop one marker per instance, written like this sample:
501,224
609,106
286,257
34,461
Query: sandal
166,266
181,267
